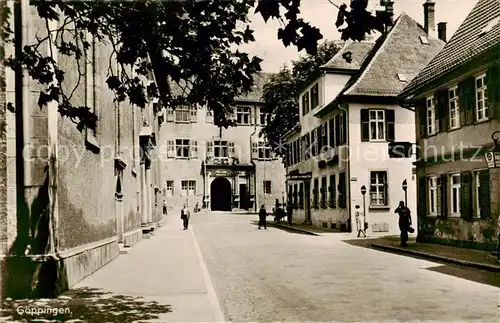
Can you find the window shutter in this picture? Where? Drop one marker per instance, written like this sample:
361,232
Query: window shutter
438,196
170,149
422,197
365,125
210,149
231,149
170,115
344,127
444,195
389,119
337,130
209,117
466,195
467,101
493,91
255,151
304,105
332,133
193,114
443,109
484,194
194,149
421,110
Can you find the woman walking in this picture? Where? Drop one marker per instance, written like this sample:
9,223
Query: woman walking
360,225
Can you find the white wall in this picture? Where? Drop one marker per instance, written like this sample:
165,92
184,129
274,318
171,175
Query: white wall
372,156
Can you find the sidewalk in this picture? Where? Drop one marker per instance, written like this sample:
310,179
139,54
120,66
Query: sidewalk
162,279
449,254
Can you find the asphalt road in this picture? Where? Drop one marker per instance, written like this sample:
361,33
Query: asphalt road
273,275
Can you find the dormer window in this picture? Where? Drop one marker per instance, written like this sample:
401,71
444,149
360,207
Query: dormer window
314,96
305,103
424,40
492,23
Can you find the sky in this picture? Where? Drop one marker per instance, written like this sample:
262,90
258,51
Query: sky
322,14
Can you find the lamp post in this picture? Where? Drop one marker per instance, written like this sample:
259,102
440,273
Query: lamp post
363,192
405,187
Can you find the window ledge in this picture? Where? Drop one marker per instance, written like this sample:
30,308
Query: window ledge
482,121
379,207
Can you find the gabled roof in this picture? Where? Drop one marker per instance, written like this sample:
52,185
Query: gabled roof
468,41
395,60
359,52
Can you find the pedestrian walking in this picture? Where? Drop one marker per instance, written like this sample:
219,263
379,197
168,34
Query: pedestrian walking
185,216
289,212
165,207
404,222
262,217
360,225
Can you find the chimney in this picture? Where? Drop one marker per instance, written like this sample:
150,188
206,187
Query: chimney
429,19
389,7
442,31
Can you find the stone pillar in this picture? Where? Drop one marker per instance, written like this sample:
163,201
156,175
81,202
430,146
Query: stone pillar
143,203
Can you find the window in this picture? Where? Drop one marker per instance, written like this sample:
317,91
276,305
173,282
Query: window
301,196
264,151
193,114
263,118
454,108
182,114
432,185
377,125
182,147
243,115
332,192
315,194
341,188
314,96
267,187
455,194
331,128
481,99
477,180
170,188
431,116
221,148
209,117
323,192
188,187
305,103
378,189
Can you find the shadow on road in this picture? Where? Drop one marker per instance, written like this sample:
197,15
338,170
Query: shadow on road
270,225
83,305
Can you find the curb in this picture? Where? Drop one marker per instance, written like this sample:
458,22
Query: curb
439,258
272,224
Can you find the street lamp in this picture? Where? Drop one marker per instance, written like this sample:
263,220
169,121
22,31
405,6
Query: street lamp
363,192
492,157
405,187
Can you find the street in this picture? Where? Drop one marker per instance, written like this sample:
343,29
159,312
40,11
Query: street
224,268
280,276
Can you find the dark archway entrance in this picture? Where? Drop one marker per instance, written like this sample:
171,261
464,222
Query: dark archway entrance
220,194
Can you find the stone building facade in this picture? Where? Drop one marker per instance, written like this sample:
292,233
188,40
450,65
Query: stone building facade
74,198
218,168
457,102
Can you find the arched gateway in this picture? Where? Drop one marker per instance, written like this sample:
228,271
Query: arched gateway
220,194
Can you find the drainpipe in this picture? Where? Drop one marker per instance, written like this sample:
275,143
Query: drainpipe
255,168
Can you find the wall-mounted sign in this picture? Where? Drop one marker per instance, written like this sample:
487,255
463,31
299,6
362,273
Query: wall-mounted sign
492,159
220,172
300,177
354,179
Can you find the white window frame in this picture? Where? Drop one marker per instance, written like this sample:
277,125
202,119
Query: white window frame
222,146
481,92
432,188
341,128
453,108
180,147
209,116
477,188
169,188
455,187
375,122
379,188
241,113
263,149
183,114
431,115
188,187
263,118
264,187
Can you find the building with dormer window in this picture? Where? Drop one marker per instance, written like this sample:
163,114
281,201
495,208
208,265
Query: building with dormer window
353,137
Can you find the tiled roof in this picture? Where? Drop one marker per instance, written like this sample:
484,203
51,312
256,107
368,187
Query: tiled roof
467,42
254,96
359,52
395,60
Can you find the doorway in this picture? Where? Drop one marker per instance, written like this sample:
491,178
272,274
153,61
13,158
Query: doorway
243,197
220,194
307,201
119,208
